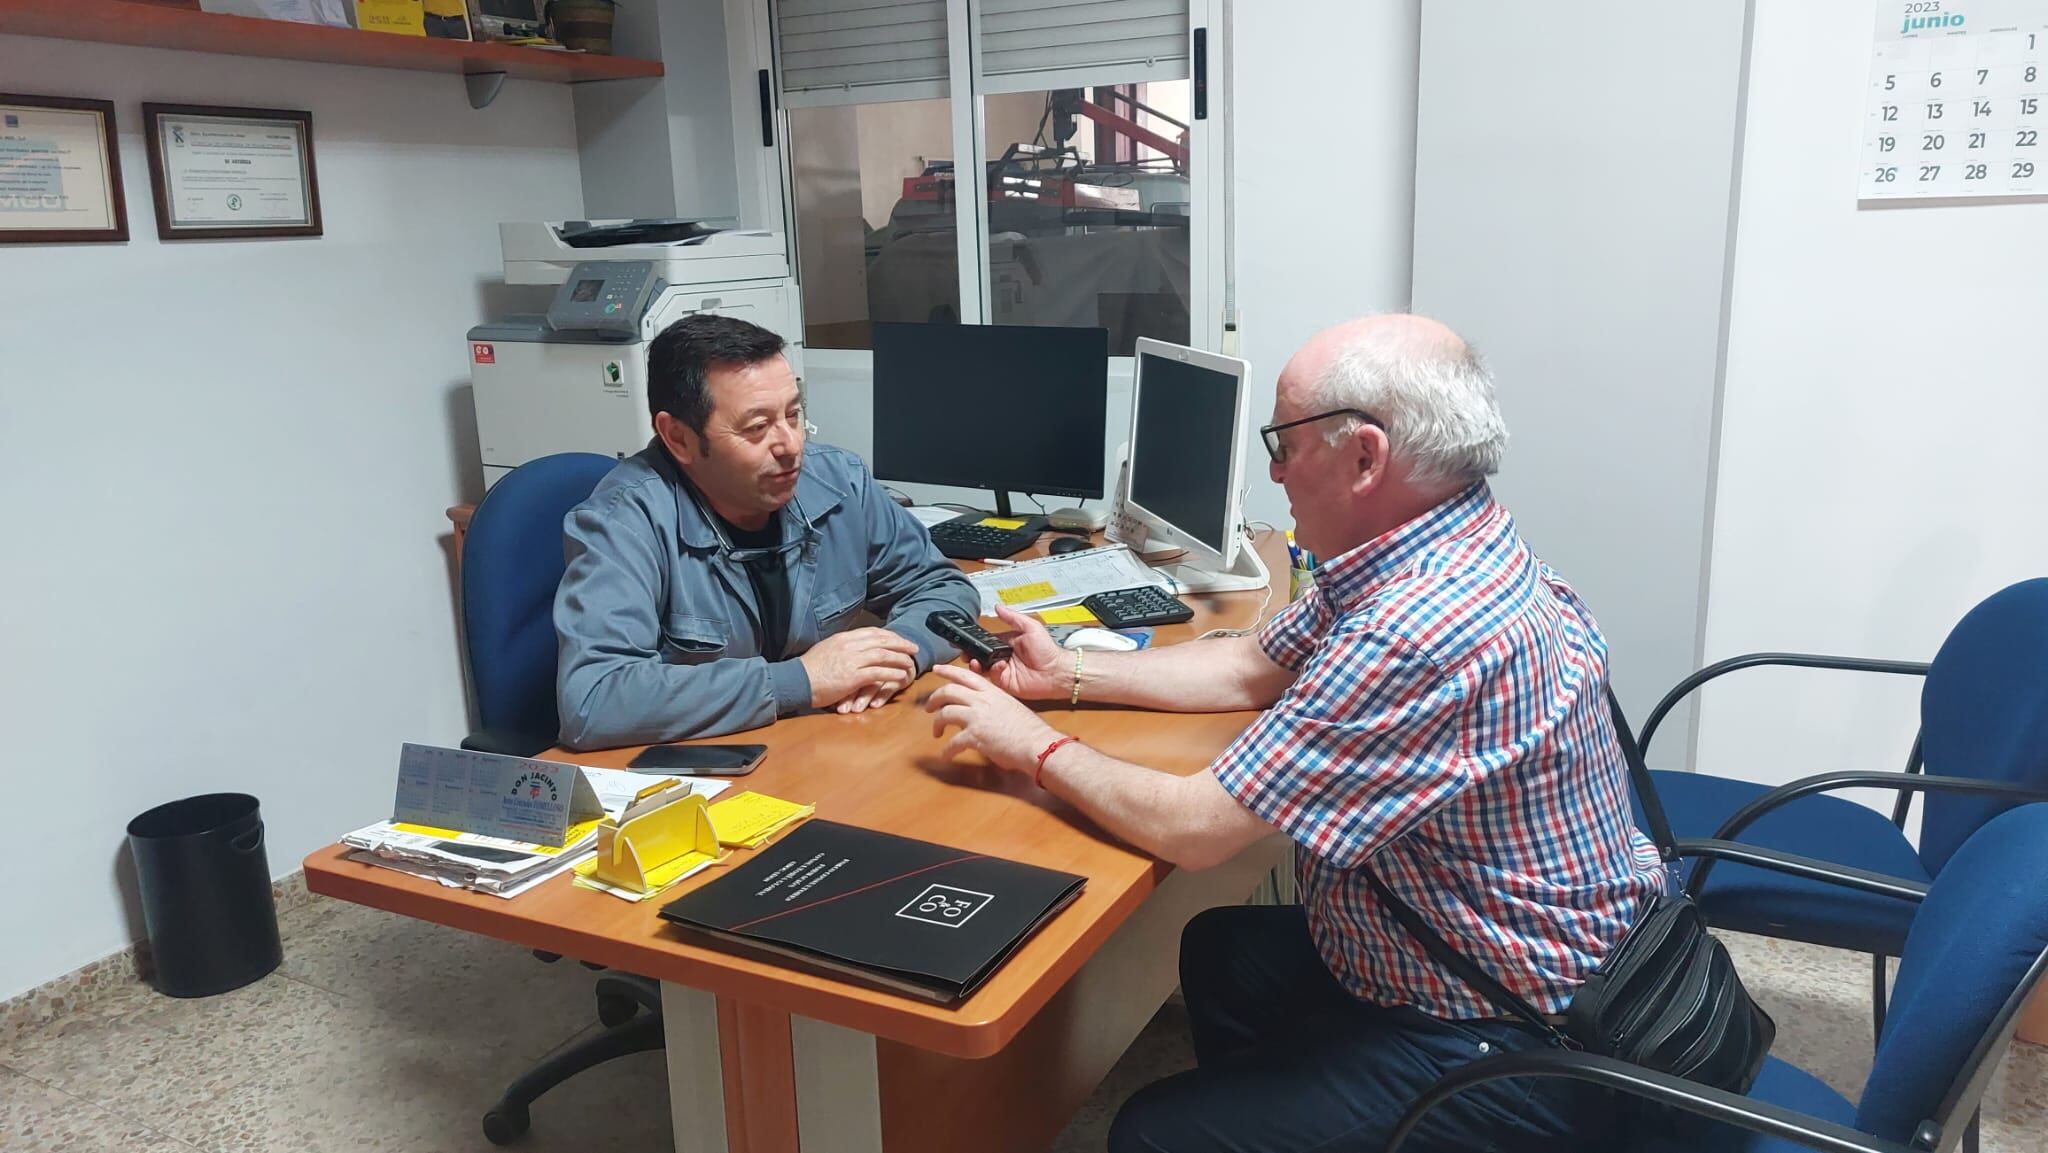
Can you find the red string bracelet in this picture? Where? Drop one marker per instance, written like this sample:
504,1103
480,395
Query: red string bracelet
1038,778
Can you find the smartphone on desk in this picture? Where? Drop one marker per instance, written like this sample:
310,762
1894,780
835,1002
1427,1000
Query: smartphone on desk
701,760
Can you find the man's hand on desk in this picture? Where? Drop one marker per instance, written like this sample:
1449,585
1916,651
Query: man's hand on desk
859,669
991,721
1038,668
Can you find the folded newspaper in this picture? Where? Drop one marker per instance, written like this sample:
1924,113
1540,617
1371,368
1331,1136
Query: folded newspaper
502,866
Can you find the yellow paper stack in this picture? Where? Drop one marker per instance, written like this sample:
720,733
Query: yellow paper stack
748,820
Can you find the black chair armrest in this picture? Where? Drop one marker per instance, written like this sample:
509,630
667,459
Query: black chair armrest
507,742
1715,1104
1748,814
1685,687
1812,868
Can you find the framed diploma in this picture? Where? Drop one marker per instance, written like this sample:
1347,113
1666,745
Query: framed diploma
221,172
60,171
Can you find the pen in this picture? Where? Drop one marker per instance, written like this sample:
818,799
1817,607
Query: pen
998,562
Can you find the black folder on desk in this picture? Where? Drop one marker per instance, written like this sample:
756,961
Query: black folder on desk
909,916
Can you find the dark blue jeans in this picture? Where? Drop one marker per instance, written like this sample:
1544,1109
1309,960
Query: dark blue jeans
1288,1060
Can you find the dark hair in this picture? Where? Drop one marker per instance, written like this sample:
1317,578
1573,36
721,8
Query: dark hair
681,358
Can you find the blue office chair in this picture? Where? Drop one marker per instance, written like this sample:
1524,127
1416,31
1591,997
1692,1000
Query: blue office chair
1982,748
1977,946
511,564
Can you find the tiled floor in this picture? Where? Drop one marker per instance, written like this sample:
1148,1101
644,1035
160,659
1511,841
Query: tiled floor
386,1034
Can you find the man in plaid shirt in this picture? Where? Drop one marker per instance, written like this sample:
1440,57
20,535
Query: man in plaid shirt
1434,711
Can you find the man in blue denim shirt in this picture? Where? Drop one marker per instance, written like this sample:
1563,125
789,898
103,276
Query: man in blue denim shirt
715,577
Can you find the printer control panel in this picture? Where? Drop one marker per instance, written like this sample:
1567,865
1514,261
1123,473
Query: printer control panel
604,296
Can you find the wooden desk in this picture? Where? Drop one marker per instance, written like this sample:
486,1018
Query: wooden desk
768,1060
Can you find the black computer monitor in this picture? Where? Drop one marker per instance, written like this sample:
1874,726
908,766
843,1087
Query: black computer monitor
994,406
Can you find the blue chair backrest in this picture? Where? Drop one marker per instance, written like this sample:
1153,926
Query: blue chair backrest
511,564
1981,927
1984,712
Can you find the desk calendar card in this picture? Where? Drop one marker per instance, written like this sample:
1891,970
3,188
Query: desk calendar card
1958,102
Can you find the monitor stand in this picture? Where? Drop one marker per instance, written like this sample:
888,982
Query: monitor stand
1248,574
1033,522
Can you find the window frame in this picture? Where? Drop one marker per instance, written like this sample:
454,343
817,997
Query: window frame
766,178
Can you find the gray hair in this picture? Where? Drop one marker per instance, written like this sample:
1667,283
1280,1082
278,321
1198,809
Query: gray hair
1435,400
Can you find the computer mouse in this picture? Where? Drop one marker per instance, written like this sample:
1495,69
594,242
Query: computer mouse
1099,640
1067,544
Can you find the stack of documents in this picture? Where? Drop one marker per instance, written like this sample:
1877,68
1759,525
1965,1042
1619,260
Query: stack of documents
461,860
547,801
750,819
1057,581
932,515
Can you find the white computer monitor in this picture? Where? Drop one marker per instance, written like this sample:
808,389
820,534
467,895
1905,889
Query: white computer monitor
1184,489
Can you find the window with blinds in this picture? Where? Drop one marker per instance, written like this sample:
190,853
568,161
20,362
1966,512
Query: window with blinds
866,51
860,51
1037,44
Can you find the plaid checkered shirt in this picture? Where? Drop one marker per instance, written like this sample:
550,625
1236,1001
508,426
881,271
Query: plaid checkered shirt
1448,723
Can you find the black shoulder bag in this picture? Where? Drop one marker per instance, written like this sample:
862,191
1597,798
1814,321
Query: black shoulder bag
1667,998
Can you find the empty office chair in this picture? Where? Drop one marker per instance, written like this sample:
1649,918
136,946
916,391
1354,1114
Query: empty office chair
511,563
1983,745
1977,945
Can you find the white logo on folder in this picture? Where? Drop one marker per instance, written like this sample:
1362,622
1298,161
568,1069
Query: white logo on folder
945,905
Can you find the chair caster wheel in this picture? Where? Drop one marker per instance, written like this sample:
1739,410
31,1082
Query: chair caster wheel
614,1011
506,1123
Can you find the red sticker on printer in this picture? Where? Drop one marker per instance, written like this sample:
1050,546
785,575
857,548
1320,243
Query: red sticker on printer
483,353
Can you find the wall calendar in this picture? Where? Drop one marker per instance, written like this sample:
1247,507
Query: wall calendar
1958,102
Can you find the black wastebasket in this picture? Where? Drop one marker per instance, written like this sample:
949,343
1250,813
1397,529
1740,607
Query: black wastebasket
205,885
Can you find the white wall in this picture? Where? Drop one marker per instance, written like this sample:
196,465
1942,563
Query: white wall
1325,128
1881,466
663,147
225,465
1573,182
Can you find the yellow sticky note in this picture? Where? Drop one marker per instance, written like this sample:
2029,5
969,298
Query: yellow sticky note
426,830
1071,615
1002,523
750,817
1038,590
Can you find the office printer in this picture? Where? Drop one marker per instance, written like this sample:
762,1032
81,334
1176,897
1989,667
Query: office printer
575,379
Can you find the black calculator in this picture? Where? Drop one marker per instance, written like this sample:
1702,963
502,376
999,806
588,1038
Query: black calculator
1137,608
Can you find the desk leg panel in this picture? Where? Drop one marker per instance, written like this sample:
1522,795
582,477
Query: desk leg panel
1019,1100
760,1078
838,1096
696,1080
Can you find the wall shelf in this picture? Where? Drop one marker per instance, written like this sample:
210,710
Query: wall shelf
168,25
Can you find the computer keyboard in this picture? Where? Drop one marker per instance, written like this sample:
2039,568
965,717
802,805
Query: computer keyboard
1137,608
968,539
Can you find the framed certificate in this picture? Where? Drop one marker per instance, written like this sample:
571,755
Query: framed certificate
221,172
60,171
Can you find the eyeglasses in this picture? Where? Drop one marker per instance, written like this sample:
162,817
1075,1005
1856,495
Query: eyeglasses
1271,433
